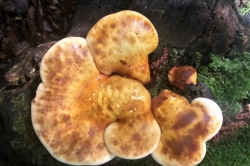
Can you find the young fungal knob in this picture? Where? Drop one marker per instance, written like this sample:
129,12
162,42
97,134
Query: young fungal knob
182,76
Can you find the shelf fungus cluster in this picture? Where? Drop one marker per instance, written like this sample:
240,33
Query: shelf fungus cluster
92,104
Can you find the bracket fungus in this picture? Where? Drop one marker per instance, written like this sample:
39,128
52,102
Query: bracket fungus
69,77
182,76
84,117
120,43
185,128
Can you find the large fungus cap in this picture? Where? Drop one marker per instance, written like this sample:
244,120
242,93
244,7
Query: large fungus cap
182,76
75,104
69,78
121,42
185,128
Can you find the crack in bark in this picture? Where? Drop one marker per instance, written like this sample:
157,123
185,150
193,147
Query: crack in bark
204,29
178,25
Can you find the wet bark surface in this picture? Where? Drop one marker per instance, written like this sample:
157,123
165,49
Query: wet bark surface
205,26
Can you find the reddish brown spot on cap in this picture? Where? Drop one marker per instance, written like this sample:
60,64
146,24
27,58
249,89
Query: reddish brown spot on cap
184,119
113,26
136,137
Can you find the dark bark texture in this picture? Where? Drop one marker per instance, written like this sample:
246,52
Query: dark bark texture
205,26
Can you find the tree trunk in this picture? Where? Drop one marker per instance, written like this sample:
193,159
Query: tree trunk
205,26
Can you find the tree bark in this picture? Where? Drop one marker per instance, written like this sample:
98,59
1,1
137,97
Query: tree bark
205,26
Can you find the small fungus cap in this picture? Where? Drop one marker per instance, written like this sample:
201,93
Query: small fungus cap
185,128
121,42
182,76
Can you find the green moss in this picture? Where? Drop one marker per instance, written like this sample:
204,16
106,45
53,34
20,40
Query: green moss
197,60
175,57
20,107
21,112
245,8
233,151
228,80
3,96
26,139
161,81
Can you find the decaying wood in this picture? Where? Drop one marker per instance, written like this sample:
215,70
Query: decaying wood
206,26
